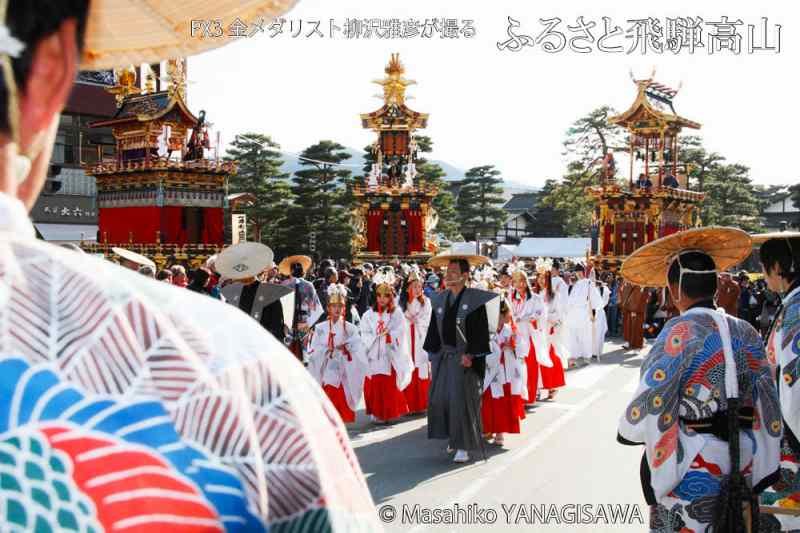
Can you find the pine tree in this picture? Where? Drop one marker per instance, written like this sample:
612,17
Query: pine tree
320,212
591,137
700,163
259,173
795,191
570,201
549,220
480,202
731,199
444,203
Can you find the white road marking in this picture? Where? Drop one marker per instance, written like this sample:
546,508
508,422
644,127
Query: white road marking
501,464
587,377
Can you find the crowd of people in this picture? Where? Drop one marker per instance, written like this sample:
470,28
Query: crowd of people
115,386
364,330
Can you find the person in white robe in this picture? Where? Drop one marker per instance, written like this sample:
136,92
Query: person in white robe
337,359
417,312
527,311
552,378
582,304
505,382
601,322
384,332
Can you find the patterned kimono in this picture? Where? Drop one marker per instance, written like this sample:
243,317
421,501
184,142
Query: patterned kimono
340,372
386,340
129,404
783,351
683,384
307,309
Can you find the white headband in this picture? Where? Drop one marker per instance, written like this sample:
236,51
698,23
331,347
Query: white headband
687,270
9,45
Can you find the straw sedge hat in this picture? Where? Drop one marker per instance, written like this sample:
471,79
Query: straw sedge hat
761,238
648,265
122,32
285,266
442,260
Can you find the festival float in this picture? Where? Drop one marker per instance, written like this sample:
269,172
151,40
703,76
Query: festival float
394,218
627,216
160,195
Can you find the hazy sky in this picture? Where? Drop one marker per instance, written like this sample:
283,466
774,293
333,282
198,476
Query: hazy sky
497,107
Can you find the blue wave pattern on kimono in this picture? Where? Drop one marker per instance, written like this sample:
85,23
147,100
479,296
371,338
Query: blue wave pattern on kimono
683,378
33,398
784,349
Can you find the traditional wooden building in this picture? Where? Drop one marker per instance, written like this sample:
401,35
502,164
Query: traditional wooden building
394,217
159,195
654,201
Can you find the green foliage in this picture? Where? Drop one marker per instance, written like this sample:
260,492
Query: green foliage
571,203
480,202
731,199
259,173
565,208
591,137
321,207
700,163
550,220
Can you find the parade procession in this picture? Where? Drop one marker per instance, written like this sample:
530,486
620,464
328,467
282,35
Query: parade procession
202,330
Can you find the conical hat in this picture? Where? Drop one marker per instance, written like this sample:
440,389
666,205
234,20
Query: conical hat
445,259
121,32
133,257
244,260
648,265
285,267
761,238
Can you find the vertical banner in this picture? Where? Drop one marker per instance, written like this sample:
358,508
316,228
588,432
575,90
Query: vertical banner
238,228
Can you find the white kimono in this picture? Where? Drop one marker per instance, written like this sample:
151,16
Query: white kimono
600,321
524,313
512,370
556,327
583,298
383,355
419,315
332,366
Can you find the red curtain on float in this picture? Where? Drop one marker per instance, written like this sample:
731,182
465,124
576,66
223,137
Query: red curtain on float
651,232
172,229
374,224
118,224
213,225
414,222
607,230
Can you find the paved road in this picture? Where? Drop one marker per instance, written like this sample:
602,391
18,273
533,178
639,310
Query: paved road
565,466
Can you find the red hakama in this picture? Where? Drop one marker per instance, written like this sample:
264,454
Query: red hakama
533,374
337,398
417,391
501,415
553,377
384,400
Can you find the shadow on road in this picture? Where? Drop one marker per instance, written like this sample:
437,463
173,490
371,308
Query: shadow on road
401,463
